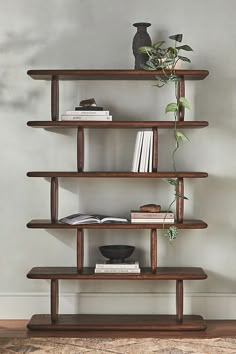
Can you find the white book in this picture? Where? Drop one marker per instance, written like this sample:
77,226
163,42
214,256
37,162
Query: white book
150,153
125,265
117,270
85,117
88,113
152,221
146,166
137,151
145,151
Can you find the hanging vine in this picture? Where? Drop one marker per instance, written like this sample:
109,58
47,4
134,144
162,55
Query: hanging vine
166,59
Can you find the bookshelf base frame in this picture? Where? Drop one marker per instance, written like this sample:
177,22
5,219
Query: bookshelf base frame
178,322
117,323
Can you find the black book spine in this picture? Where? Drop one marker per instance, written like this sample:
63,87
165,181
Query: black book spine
89,108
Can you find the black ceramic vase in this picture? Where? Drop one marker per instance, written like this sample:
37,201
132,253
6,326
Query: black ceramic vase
141,39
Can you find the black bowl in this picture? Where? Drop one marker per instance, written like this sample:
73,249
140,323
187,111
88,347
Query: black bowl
116,253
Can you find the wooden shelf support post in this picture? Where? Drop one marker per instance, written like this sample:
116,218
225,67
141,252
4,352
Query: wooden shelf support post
80,249
55,98
180,93
155,150
153,250
54,199
180,201
80,149
54,300
179,300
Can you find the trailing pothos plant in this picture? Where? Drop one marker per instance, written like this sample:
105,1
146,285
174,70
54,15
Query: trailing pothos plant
166,59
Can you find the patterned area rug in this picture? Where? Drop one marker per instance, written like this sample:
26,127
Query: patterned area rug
117,346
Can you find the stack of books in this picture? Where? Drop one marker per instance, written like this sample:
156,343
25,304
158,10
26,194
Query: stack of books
125,267
137,216
143,151
87,113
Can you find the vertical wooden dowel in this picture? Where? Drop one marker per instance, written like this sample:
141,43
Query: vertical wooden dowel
181,93
179,300
155,150
54,300
54,199
55,98
80,149
80,249
180,201
153,250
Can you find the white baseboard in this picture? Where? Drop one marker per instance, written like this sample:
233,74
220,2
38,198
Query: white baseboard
209,305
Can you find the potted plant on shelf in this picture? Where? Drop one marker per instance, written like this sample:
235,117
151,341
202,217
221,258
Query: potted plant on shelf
167,59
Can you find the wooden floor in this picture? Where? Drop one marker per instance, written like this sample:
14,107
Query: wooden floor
215,329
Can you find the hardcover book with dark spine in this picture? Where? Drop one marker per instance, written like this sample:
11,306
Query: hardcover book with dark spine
89,108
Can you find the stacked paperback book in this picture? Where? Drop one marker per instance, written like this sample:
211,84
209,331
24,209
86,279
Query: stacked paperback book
137,216
125,267
87,113
143,152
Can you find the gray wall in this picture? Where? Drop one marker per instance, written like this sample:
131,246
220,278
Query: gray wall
98,35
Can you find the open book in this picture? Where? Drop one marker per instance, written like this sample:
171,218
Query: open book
75,219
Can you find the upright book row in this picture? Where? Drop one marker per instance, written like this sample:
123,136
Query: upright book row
142,158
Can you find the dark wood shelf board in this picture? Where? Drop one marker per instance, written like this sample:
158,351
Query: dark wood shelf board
118,322
111,174
47,224
118,124
74,74
162,273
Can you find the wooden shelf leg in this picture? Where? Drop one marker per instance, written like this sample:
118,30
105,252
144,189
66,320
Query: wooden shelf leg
154,250
54,199
181,93
179,300
80,249
80,149
55,98
54,300
155,150
180,201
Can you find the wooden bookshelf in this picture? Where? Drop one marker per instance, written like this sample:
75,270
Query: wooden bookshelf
153,272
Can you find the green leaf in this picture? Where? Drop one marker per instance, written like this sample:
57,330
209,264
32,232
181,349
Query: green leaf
164,81
185,47
159,78
172,181
171,107
159,85
177,37
180,196
184,59
158,44
181,136
149,66
184,102
171,232
172,52
174,78
169,61
145,50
